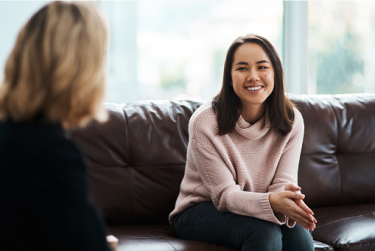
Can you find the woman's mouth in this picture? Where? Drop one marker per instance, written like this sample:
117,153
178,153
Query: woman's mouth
253,88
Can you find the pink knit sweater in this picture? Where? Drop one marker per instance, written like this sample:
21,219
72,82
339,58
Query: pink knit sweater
238,171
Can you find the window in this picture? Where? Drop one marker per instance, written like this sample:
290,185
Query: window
341,47
176,49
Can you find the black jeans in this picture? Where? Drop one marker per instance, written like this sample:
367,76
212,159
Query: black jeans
203,222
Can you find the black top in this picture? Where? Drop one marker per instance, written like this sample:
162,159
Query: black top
44,199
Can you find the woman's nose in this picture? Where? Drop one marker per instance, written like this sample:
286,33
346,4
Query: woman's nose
253,76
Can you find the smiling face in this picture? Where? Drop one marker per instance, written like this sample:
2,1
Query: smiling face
252,76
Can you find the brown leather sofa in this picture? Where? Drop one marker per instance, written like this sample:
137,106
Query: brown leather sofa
136,162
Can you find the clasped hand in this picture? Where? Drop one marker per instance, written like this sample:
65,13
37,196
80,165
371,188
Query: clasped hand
290,202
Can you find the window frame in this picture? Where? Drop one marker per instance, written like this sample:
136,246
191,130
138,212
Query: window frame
295,54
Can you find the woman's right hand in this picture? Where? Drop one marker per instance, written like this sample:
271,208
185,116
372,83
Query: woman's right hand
284,203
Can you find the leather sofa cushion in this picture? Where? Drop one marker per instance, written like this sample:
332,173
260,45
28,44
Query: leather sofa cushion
156,237
164,238
338,152
346,228
136,160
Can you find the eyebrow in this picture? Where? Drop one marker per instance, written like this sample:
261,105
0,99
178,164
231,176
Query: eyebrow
262,61
259,62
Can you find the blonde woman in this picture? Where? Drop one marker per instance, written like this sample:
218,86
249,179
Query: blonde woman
54,80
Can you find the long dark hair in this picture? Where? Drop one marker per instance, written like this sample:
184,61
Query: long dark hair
227,105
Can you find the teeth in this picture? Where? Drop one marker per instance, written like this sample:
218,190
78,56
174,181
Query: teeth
253,88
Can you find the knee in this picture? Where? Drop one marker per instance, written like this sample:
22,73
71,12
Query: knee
298,238
264,237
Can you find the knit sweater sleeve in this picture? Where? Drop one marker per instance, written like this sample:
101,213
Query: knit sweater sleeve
218,178
287,169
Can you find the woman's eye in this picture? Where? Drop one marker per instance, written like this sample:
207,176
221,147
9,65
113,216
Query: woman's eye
242,69
262,67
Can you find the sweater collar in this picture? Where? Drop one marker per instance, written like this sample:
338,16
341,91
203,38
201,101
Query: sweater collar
253,131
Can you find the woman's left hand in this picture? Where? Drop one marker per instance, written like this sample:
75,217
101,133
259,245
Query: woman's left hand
293,188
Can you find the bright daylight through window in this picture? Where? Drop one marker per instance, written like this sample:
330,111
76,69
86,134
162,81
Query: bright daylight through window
176,49
341,47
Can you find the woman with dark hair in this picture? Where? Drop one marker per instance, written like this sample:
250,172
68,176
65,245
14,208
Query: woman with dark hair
240,184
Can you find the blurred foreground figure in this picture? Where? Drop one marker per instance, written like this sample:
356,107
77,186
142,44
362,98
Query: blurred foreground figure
54,80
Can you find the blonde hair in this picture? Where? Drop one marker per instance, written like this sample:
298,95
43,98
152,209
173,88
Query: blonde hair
57,66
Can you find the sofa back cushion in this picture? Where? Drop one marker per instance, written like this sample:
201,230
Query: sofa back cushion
136,160
337,165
